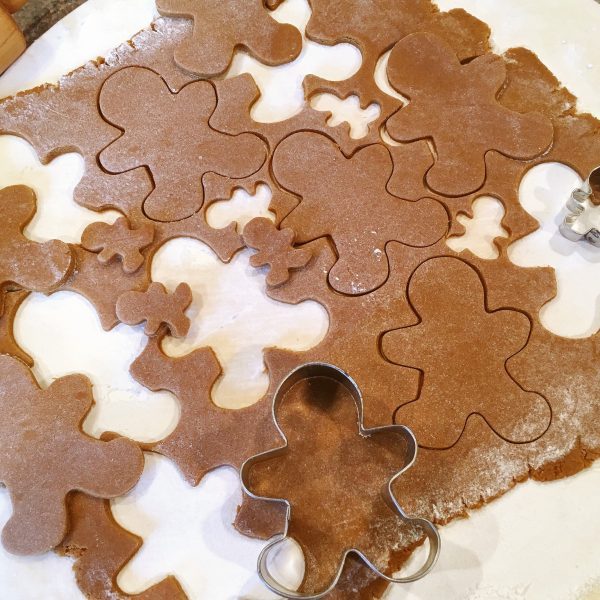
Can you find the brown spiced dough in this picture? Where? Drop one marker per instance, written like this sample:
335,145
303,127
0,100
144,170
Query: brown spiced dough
232,115
461,348
347,199
356,349
25,264
207,436
103,284
333,478
531,86
236,97
374,30
101,548
425,490
411,162
353,348
156,307
275,250
483,466
45,455
594,182
67,119
118,241
456,106
8,344
224,26
178,149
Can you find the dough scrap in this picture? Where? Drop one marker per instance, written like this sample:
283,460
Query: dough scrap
45,455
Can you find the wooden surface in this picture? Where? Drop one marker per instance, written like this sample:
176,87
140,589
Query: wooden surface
12,41
37,16
12,5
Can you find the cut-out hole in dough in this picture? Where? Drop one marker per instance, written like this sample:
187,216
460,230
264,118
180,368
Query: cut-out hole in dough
281,92
575,312
382,81
347,111
481,230
240,208
188,533
57,216
386,138
62,333
232,314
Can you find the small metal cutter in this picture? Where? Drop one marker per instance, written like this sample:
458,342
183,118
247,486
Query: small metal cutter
307,371
582,221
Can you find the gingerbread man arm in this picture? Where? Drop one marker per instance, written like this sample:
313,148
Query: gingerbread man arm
30,265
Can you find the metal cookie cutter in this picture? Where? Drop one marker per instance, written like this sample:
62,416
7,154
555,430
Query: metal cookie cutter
583,215
307,371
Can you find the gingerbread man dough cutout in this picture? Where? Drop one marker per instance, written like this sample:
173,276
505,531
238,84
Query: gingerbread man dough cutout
118,240
44,455
457,107
223,26
347,199
275,250
169,134
462,349
23,263
156,306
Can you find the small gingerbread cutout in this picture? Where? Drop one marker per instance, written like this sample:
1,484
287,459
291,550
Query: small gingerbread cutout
23,263
462,350
118,240
169,134
275,250
156,306
221,27
44,455
457,107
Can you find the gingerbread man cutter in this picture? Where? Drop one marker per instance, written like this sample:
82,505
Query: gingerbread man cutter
319,369
582,221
